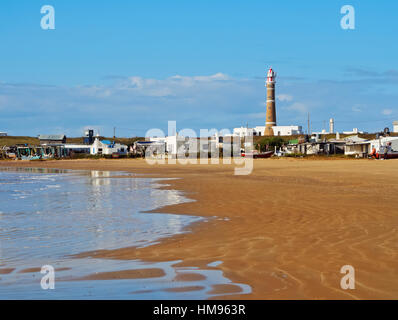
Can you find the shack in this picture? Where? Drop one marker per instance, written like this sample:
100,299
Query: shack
107,147
324,148
52,139
356,146
27,152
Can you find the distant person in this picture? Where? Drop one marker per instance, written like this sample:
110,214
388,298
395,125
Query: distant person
373,153
387,148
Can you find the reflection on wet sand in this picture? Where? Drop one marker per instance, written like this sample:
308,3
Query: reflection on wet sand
53,214
121,279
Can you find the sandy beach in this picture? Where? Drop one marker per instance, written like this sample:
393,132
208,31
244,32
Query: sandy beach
286,229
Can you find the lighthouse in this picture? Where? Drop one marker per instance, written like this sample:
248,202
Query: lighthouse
270,118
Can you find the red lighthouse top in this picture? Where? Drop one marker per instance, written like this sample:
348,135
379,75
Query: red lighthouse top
271,75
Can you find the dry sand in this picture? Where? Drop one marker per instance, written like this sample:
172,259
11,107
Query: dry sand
292,224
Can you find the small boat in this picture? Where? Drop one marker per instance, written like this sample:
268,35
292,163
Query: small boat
386,152
30,157
390,155
260,155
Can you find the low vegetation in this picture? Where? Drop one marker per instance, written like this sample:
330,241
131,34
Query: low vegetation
12,141
18,140
269,143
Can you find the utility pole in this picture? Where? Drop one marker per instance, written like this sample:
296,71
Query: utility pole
114,132
308,124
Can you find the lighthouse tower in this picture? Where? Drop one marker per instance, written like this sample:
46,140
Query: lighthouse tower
270,119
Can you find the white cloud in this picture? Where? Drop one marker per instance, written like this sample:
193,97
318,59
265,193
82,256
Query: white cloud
135,104
171,86
284,97
258,115
3,101
386,112
216,76
299,107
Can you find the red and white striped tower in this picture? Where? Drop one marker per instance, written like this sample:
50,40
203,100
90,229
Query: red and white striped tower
270,118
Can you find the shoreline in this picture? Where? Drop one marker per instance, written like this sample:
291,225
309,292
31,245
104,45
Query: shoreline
278,232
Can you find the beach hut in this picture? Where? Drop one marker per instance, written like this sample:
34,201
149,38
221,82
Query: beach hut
52,139
106,147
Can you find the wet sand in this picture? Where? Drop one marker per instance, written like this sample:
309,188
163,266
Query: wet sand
286,230
6,270
126,274
38,269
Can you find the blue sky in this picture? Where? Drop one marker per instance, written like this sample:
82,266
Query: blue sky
137,64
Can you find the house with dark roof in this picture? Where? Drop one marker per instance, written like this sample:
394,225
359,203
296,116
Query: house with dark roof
51,139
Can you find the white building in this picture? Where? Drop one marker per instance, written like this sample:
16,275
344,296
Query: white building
362,147
107,147
331,125
319,132
3,134
395,126
77,148
354,131
216,140
377,143
356,146
287,130
173,144
259,131
244,132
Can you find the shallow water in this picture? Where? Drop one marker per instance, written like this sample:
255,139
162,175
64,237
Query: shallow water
46,215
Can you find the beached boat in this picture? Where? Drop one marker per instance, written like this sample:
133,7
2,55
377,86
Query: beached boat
262,155
30,157
387,153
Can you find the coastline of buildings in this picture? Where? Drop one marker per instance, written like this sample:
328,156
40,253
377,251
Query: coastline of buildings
349,146
91,145
55,146
314,144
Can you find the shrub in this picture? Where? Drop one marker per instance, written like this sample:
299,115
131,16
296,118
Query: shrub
295,155
271,142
